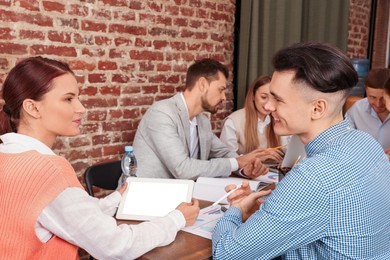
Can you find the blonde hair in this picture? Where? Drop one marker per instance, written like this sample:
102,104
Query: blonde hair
251,118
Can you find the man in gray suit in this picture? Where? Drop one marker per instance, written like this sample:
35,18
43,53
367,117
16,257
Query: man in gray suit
175,140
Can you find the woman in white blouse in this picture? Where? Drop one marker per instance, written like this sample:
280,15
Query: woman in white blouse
252,126
46,213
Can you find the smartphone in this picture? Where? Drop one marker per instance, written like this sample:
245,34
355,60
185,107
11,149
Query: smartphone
263,185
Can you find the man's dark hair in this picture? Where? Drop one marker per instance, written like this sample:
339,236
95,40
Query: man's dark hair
207,68
321,66
376,78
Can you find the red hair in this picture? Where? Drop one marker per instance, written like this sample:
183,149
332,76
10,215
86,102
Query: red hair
30,78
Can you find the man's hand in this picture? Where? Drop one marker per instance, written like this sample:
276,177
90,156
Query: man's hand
246,200
387,152
255,168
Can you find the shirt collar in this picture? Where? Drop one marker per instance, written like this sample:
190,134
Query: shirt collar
193,122
318,143
18,143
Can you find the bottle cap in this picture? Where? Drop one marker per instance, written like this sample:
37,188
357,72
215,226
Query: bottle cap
128,148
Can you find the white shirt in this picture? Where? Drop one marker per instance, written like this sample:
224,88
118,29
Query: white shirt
87,221
194,140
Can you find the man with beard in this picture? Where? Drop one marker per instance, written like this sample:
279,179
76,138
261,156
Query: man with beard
175,140
370,114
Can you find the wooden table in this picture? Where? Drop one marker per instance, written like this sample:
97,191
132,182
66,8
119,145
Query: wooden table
186,246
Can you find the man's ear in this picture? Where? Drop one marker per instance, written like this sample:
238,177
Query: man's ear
203,84
30,108
319,108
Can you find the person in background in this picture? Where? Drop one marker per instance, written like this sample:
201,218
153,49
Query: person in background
335,203
370,114
46,213
386,97
252,127
174,138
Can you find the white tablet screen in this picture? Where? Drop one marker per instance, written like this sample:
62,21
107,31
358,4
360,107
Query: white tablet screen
149,198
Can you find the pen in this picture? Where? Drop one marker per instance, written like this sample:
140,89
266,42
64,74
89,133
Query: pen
226,195
273,148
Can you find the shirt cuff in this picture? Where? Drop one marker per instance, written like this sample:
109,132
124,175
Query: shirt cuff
178,218
233,164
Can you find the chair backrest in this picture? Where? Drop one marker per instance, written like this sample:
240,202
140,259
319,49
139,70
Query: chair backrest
104,175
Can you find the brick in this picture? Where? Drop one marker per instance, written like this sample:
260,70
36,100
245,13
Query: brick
142,43
147,18
72,23
115,2
103,40
78,10
133,30
101,14
122,41
38,19
5,2
30,34
78,142
97,78
167,89
97,102
117,53
89,91
137,101
54,50
7,34
81,65
96,115
187,11
93,26
149,89
83,39
183,22
55,36
146,66
93,52
107,65
53,6
12,48
110,90
131,113
146,55
164,20
119,78
163,31
137,5
29,5
164,67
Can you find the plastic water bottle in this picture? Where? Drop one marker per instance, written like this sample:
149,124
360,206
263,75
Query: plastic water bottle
128,164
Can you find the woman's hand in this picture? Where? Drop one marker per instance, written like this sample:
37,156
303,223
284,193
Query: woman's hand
123,188
190,211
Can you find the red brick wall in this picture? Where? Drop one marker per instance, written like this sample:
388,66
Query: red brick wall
358,29
126,53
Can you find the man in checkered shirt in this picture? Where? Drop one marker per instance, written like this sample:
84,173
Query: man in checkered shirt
334,204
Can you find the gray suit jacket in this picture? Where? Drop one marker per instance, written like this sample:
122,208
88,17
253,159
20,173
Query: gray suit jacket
162,144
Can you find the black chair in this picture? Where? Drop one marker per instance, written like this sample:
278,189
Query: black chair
104,175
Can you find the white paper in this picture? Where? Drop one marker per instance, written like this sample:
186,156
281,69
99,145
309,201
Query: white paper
206,221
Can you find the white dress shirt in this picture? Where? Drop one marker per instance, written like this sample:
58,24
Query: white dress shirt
194,139
87,221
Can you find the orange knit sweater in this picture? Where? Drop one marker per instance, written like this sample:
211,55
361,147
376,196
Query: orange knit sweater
29,181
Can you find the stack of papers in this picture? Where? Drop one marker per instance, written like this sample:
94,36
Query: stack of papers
211,189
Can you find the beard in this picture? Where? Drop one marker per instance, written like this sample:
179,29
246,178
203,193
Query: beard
206,106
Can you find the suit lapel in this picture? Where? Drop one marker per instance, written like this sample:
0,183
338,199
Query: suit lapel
184,118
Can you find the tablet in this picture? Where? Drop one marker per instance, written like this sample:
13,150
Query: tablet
148,198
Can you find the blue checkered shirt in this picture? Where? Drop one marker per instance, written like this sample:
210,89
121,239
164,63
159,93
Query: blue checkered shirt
335,204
